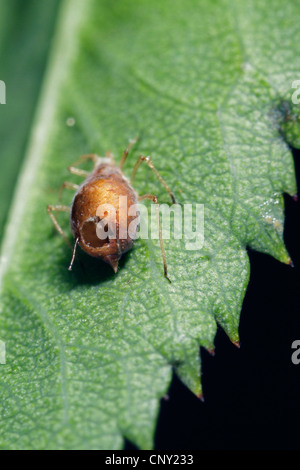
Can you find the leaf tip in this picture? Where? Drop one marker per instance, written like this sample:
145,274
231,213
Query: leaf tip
211,351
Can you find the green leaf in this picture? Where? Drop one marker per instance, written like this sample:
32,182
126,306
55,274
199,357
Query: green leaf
207,86
22,63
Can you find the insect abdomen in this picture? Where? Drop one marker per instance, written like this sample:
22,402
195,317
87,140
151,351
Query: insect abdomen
98,201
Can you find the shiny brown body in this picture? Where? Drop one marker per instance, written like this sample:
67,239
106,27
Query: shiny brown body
105,185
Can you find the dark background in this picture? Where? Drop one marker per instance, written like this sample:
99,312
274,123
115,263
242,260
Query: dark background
251,394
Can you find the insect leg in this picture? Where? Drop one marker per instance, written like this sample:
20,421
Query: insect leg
59,208
77,171
149,162
162,248
67,185
126,152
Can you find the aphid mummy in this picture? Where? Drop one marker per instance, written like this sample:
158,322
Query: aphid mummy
104,185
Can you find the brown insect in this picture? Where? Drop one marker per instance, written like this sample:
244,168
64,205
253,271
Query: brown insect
104,185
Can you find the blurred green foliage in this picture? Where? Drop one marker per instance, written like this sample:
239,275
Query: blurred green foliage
26,28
